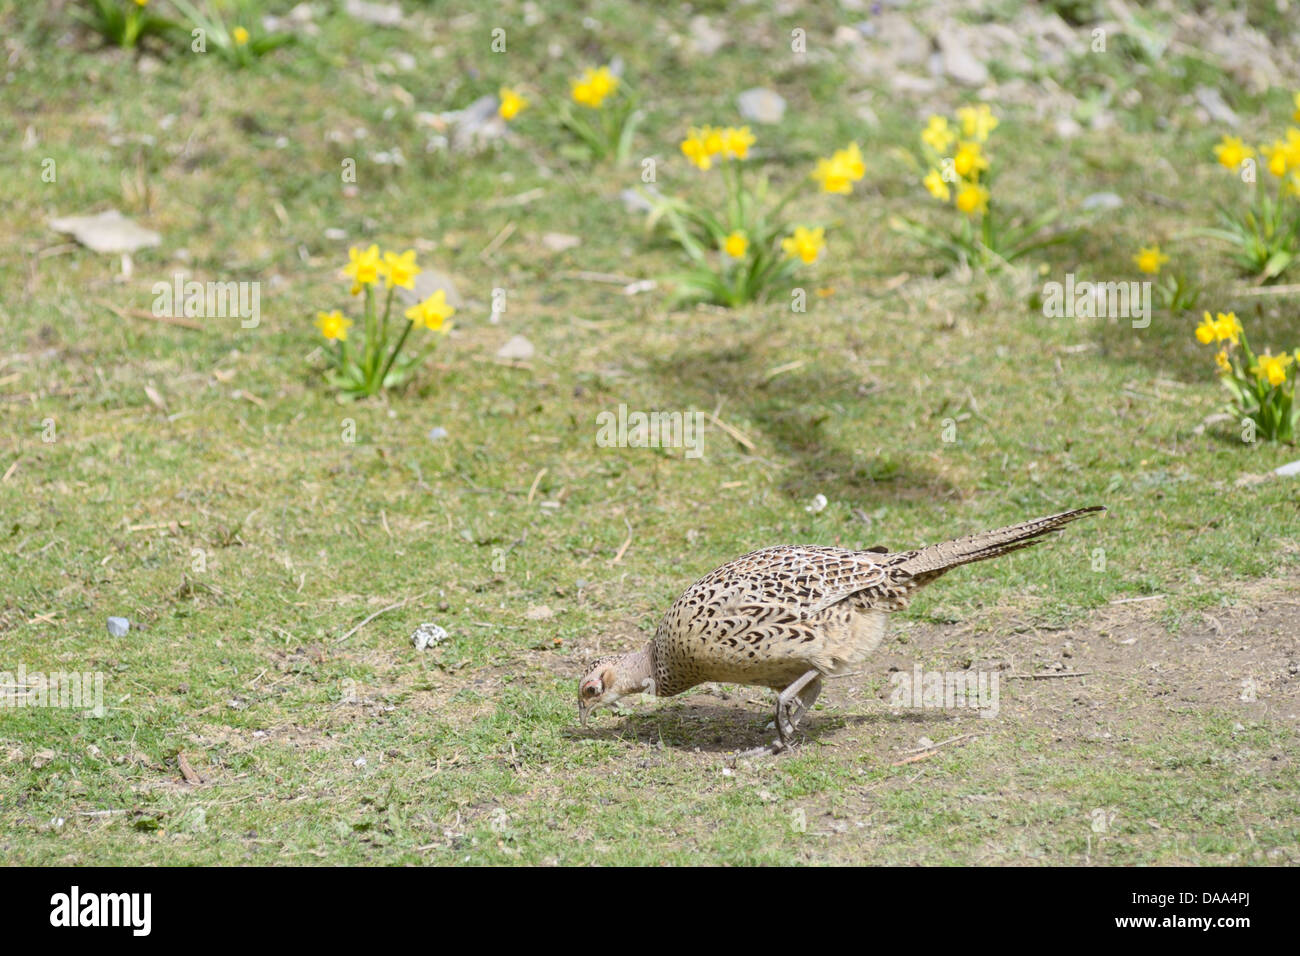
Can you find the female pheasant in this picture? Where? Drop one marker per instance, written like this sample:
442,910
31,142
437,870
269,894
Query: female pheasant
786,617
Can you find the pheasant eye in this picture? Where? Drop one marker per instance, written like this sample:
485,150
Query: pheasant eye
590,690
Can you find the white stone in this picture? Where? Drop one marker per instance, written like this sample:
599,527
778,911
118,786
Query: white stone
518,349
761,105
107,232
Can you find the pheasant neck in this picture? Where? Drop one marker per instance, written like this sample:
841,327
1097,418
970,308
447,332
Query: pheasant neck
639,670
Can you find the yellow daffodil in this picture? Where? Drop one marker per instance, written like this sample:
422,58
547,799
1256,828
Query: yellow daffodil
432,312
938,188
969,161
512,103
400,270
972,198
239,35
1221,360
1296,115
1275,157
736,245
1227,328
1224,327
1231,152
145,3
736,141
362,267
805,244
1149,259
714,141
977,122
333,326
844,168
937,134
594,86
1272,368
1292,148
694,149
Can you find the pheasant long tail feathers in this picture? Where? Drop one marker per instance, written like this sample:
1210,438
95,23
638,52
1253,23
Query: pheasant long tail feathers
928,563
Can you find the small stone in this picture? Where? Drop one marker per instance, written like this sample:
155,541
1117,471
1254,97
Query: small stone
846,36
297,20
925,743
1211,101
335,234
817,505
41,758
107,232
559,241
477,125
539,612
428,635
634,201
380,14
958,62
118,626
1067,127
437,433
518,349
706,39
1102,201
359,762
761,105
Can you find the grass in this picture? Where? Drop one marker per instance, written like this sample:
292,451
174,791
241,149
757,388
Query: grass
245,537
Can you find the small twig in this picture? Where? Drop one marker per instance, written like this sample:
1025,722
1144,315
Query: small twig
622,550
925,753
145,314
187,771
584,276
498,240
734,433
522,199
1134,600
950,740
536,481
384,610
1268,290
391,607
1047,676
781,369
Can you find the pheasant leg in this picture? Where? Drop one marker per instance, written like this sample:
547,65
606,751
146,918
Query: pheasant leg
805,699
786,720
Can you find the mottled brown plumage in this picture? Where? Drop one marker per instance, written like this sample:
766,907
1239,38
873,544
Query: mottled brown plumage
785,617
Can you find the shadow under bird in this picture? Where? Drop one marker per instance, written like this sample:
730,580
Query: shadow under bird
789,616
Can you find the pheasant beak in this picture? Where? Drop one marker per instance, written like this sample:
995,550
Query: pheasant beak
583,714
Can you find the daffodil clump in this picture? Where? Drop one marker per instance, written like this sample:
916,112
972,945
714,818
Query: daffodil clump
1175,292
232,37
366,364
1262,385
601,114
1266,235
123,23
746,248
955,168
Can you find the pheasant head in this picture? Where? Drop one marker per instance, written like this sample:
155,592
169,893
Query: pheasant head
611,678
